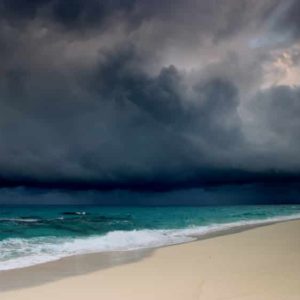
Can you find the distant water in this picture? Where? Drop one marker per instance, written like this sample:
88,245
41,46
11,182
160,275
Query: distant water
31,236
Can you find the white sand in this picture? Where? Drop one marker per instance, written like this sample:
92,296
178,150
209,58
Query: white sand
259,264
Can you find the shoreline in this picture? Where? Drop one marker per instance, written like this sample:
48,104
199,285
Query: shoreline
118,240
258,264
83,264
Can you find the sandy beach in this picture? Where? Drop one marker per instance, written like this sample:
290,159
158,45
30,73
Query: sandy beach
258,264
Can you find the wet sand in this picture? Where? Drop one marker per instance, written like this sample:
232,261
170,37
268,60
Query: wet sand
258,264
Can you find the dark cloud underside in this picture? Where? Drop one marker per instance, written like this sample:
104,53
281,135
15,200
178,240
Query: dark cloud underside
148,95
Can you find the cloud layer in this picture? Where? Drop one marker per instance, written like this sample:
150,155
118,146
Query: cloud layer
149,95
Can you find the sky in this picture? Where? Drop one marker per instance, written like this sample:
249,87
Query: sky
174,101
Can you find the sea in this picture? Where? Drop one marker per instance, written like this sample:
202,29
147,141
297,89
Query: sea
35,235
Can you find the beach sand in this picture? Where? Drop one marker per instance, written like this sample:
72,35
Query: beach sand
258,264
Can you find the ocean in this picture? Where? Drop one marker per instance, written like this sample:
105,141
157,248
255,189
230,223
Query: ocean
34,235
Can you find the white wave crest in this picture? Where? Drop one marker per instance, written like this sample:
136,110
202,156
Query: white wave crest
19,253
19,220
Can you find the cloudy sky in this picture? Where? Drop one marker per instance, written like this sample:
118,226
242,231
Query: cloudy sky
149,96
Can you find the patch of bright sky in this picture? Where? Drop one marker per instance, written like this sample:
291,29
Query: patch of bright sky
284,68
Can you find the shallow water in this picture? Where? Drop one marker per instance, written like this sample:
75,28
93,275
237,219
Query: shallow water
35,235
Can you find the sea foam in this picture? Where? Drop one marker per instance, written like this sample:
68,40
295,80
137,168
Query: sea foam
22,252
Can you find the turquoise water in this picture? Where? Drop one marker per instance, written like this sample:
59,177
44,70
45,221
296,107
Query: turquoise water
38,234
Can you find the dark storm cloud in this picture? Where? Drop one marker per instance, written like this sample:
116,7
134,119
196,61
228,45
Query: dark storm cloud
132,130
277,112
216,195
95,94
281,103
186,20
289,20
69,13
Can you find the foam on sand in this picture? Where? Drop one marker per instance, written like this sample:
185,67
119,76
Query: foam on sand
22,252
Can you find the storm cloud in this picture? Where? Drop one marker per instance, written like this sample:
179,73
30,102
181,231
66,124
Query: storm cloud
149,95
